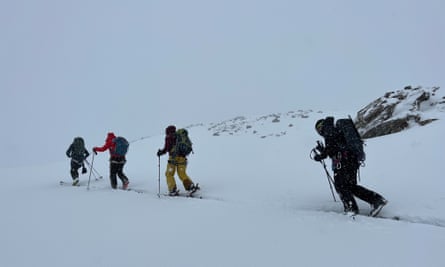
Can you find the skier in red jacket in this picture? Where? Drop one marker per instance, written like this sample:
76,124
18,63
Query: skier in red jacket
117,162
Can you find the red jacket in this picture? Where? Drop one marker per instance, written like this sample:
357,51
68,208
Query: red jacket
109,144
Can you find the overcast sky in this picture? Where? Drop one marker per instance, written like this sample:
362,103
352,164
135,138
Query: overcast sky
86,67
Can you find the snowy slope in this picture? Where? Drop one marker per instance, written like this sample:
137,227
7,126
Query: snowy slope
265,203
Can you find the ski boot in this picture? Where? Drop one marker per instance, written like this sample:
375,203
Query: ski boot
192,189
174,192
377,207
125,185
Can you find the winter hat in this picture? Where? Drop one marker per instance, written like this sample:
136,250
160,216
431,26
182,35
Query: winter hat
170,129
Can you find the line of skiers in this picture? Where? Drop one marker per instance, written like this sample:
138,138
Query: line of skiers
177,145
345,163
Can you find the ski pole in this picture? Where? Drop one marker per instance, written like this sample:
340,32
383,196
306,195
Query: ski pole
159,176
91,168
95,172
330,180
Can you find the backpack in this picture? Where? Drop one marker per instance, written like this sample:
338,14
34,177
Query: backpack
122,145
183,145
78,148
353,141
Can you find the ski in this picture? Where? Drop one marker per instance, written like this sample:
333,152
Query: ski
354,216
188,194
80,183
134,190
398,218
184,195
395,218
64,183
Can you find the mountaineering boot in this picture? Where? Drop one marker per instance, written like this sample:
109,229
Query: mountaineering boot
350,208
173,192
351,212
192,189
75,181
125,185
377,207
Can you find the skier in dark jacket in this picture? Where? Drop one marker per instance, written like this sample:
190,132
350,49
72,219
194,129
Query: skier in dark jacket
78,153
345,167
117,162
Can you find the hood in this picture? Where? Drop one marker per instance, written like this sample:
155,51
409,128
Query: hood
110,136
170,129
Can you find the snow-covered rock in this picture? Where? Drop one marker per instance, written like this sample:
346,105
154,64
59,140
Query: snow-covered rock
393,112
275,124
399,110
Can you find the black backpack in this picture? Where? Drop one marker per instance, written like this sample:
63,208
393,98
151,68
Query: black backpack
353,141
78,148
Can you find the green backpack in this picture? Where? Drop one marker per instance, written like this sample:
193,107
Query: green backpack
183,145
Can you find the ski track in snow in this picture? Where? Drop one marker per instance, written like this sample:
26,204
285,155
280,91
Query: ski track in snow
437,222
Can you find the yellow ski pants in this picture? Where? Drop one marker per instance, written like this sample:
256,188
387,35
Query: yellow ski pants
178,164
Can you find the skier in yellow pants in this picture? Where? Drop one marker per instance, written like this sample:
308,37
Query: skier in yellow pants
175,163
178,164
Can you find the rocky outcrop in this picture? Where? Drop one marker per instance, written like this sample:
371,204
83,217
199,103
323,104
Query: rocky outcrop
398,110
393,112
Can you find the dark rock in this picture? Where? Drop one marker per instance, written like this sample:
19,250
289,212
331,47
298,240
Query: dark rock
397,111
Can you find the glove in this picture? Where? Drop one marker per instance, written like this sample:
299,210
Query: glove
94,151
320,147
159,153
84,170
318,157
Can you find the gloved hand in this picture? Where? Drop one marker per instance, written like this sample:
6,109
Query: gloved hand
159,153
84,170
94,151
318,157
320,147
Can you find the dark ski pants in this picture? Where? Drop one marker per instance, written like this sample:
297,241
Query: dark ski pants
116,169
75,166
346,186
